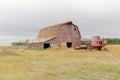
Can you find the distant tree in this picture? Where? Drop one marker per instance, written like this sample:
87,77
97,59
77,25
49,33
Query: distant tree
19,43
113,40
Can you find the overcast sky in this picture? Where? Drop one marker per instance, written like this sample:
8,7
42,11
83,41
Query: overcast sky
22,19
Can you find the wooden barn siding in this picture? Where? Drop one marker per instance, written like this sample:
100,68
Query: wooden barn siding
69,34
65,34
76,36
54,43
34,45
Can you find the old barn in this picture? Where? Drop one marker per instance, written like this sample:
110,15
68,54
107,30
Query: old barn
60,35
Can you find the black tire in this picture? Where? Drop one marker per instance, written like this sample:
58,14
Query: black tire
99,48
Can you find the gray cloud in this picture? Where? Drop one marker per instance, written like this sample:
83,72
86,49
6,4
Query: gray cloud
21,19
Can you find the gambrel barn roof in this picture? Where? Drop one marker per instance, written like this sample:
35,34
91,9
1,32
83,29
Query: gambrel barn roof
48,33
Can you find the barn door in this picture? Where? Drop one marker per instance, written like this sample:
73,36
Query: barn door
46,45
69,44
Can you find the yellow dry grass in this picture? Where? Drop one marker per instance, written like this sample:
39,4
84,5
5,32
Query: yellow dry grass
61,64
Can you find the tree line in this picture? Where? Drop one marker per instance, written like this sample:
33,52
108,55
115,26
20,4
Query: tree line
20,43
113,40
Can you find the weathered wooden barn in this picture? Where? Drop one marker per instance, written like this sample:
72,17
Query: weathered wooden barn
60,35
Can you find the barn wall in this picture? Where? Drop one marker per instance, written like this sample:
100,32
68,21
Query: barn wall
54,43
65,33
69,33
34,45
76,36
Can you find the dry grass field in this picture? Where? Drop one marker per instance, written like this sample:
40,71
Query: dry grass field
61,64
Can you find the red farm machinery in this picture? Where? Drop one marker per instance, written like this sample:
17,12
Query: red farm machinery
94,43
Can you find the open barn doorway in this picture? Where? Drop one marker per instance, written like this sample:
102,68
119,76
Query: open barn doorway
46,45
69,44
